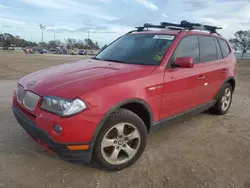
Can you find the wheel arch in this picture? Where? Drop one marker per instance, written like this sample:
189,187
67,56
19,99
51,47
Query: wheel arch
231,80
127,104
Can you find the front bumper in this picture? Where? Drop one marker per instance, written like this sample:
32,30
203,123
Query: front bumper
82,156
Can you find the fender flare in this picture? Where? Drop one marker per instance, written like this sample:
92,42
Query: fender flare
117,106
226,81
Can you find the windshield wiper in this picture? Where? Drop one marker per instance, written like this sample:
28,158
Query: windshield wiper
95,58
116,61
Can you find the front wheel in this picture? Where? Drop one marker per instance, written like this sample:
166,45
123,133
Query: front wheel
224,100
121,141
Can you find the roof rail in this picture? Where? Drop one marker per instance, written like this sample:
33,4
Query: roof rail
184,25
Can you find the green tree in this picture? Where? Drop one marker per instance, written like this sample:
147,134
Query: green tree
43,45
105,46
70,43
79,44
89,43
52,44
7,40
97,45
241,41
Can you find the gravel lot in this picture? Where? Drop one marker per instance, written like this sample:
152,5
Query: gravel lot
205,151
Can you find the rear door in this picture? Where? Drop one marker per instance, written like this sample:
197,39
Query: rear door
182,86
217,67
210,56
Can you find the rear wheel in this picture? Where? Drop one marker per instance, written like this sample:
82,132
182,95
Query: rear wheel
224,100
121,141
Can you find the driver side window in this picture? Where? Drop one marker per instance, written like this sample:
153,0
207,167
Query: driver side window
188,47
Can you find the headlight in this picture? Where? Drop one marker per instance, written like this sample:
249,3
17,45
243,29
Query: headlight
63,107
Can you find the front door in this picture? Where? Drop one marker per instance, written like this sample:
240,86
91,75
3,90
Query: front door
183,87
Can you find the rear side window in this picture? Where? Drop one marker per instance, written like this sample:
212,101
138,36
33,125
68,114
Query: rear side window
208,50
188,47
224,47
219,53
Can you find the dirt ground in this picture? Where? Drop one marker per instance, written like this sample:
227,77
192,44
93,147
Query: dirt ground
205,151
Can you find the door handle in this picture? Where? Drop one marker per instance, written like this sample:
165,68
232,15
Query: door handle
224,70
201,77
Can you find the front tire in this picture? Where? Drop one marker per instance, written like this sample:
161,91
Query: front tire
224,100
121,141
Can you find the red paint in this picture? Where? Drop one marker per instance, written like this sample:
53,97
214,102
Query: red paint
104,84
185,62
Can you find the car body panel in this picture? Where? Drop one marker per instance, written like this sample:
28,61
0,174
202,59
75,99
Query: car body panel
216,73
182,90
82,77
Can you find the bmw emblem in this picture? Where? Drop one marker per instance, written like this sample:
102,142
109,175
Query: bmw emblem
32,83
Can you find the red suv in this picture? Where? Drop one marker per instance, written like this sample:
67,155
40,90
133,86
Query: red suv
103,108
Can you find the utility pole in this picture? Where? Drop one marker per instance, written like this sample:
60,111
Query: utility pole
88,39
54,37
42,27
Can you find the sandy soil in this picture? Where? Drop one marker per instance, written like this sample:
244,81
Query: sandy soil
205,151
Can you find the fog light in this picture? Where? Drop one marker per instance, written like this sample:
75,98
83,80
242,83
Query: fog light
58,128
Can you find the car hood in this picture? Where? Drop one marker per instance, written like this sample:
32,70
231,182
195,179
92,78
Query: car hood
72,80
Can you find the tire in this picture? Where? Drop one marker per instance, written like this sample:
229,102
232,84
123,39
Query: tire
102,155
218,108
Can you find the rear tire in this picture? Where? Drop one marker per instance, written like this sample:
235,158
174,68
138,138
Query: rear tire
224,100
121,141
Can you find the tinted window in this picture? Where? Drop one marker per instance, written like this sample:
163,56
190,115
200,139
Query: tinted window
219,54
188,47
207,49
146,49
224,47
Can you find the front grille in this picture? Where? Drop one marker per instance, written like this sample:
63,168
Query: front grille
27,98
20,94
30,100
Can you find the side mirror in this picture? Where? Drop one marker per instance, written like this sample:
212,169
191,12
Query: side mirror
184,62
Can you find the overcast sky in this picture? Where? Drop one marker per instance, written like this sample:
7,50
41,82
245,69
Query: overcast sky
108,19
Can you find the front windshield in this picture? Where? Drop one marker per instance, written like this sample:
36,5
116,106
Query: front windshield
146,49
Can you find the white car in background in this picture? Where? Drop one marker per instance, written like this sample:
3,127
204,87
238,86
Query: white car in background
74,51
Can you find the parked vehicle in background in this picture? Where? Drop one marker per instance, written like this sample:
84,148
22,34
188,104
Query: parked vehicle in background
90,52
103,108
74,51
43,51
82,52
11,48
61,50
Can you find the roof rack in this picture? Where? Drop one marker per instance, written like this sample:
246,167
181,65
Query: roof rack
184,25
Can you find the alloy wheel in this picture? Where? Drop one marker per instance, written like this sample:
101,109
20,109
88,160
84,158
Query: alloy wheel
226,99
120,144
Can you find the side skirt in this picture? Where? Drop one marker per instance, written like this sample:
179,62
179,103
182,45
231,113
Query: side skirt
182,116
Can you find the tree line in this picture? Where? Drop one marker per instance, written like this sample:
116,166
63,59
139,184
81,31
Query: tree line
241,42
8,40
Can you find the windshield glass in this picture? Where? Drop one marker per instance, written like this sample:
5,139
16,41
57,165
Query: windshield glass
146,49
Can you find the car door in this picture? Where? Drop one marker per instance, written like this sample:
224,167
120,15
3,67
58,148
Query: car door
182,85
215,66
